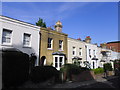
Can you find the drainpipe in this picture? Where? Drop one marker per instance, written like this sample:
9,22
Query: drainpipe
39,47
86,51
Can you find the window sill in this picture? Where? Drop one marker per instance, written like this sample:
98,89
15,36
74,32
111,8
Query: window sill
49,48
60,50
27,47
9,45
73,55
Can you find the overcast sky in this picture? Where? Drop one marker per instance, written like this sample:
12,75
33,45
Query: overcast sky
99,20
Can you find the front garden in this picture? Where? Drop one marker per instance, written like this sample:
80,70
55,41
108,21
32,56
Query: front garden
17,71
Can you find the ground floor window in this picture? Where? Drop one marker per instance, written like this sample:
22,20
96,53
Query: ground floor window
58,61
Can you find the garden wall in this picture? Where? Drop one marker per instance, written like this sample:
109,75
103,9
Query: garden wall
83,76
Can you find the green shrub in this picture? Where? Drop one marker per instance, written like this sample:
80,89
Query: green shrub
107,66
71,68
98,70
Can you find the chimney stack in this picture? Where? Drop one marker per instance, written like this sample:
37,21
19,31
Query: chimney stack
103,45
58,26
88,39
79,39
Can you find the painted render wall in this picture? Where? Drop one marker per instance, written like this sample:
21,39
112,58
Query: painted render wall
77,44
89,59
18,29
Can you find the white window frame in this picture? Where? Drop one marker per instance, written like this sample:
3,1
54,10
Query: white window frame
89,51
61,44
80,51
29,40
74,50
50,43
58,61
94,53
11,32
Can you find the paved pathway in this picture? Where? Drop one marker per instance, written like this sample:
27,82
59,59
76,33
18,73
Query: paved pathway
98,83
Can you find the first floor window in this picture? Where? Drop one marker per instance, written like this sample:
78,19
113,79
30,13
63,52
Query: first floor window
61,44
6,36
49,43
80,51
90,52
94,53
26,39
74,51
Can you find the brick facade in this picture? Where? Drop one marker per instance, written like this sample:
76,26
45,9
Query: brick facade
115,46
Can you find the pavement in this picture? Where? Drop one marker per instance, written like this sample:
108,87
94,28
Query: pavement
100,82
71,84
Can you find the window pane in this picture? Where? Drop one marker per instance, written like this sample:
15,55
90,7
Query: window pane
80,51
60,62
61,58
60,44
56,65
49,43
56,61
3,39
8,40
74,50
26,40
73,53
6,36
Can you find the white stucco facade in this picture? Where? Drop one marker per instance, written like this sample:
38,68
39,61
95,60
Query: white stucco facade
18,30
79,47
92,55
110,58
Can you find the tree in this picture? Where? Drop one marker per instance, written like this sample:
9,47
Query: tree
41,23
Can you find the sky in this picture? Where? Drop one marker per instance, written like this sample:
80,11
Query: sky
99,20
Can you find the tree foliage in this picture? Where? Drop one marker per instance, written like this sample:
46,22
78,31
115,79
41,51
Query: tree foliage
41,23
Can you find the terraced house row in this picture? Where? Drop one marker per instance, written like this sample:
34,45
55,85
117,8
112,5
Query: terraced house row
53,47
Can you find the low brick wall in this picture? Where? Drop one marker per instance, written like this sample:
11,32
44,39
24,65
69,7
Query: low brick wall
83,76
87,75
111,73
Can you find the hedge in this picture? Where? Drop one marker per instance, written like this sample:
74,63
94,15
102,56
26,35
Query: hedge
71,68
43,73
15,68
107,66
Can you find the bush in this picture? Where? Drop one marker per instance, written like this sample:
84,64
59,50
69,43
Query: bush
107,66
15,68
43,73
98,70
71,68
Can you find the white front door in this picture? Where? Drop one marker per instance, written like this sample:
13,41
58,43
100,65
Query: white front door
58,61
